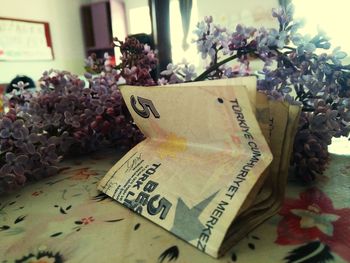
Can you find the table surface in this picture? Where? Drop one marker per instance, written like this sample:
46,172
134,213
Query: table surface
65,219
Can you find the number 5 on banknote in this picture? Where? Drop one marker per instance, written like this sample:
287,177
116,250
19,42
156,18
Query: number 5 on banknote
202,164
147,106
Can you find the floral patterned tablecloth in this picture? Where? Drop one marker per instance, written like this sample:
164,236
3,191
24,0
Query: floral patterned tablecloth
65,219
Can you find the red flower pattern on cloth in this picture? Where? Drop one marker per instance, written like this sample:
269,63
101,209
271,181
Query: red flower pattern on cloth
87,220
37,193
83,174
313,217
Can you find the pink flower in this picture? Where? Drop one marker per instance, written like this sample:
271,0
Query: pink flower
313,217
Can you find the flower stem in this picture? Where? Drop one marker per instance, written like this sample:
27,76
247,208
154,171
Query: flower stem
214,67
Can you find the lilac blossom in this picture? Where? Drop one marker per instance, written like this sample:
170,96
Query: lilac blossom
69,115
296,69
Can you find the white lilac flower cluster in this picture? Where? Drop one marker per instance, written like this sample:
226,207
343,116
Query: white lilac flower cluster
178,73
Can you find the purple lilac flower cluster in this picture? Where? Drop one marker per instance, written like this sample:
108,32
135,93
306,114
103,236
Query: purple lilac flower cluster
25,154
68,115
295,68
137,62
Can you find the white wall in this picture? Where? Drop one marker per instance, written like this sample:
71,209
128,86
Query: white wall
225,12
66,34
119,26
231,12
65,25
129,4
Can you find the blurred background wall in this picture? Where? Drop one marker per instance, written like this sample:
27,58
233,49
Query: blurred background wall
65,23
66,34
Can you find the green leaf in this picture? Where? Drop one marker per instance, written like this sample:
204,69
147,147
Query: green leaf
19,219
114,220
56,234
340,54
4,227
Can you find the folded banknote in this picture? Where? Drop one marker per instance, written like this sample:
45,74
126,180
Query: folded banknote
214,159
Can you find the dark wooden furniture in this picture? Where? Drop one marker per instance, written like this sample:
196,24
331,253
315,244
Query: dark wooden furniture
97,28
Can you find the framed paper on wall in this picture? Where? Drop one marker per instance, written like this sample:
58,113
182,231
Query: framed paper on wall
25,40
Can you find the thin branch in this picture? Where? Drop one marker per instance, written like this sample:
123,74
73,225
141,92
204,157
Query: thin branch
222,62
214,67
290,48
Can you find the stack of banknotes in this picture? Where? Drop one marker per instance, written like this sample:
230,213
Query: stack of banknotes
214,163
